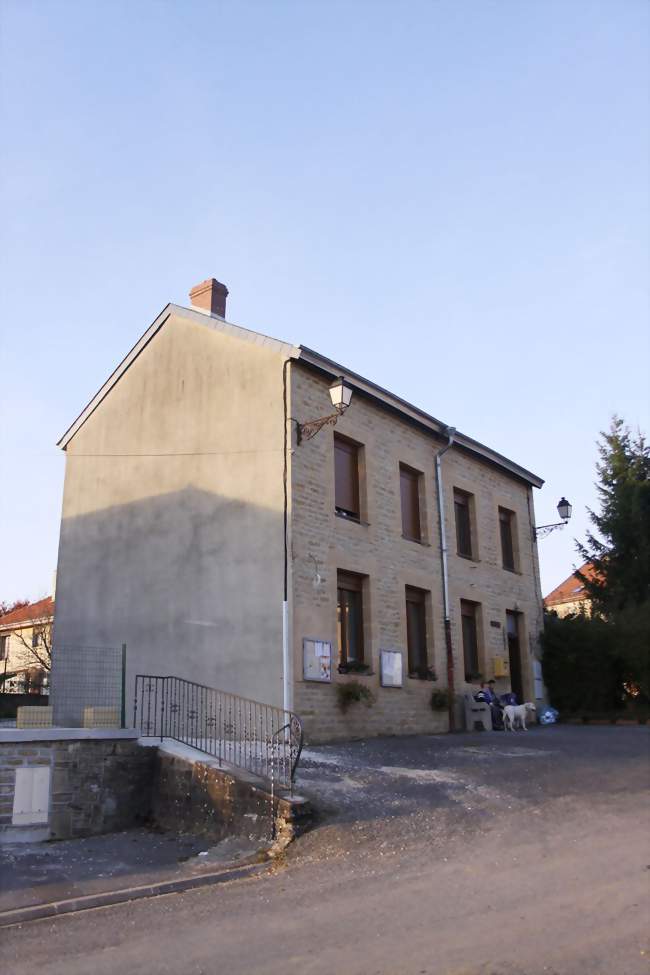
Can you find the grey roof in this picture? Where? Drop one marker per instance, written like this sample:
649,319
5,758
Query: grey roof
312,359
407,409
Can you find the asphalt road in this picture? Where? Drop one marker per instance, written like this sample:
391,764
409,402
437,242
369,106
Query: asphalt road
493,854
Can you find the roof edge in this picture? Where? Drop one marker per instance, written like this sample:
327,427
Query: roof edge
20,618
117,373
199,316
308,356
373,390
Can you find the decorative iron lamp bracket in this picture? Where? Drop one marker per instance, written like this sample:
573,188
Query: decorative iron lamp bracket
541,531
340,394
305,431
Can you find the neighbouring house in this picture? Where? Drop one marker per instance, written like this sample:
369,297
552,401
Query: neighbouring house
225,539
25,648
571,598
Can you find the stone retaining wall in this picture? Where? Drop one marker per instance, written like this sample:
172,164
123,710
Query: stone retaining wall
97,784
101,781
201,798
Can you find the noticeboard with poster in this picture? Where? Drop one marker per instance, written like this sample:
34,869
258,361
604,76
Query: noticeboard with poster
391,668
316,659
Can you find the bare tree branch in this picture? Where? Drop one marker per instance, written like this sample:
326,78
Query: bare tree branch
42,652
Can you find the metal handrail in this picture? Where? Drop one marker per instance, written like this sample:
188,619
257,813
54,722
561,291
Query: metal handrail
261,738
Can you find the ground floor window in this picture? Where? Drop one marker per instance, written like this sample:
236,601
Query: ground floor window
468,612
350,618
416,632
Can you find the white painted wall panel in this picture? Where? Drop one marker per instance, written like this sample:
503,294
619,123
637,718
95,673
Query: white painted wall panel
31,796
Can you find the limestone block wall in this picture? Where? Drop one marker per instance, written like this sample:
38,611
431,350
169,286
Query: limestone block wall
196,796
96,784
322,543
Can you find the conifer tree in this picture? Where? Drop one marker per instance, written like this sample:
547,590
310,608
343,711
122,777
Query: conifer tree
619,546
619,550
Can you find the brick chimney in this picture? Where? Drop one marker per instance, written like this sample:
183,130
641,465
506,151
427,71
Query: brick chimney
211,296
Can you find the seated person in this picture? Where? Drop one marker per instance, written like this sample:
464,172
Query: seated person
487,694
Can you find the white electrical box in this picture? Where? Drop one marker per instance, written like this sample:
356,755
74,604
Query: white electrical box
31,796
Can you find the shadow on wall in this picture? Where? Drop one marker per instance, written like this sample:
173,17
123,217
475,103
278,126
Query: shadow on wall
190,581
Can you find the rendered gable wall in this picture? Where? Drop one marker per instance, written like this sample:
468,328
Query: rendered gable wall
171,533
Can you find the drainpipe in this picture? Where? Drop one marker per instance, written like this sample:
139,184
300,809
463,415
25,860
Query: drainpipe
286,669
538,582
450,433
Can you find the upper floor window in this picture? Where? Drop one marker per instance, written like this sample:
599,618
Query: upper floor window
409,482
4,646
506,528
416,632
346,477
462,509
350,618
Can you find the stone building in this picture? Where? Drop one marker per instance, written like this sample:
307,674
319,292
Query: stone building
205,527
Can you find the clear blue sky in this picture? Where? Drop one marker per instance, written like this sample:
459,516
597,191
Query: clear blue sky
449,197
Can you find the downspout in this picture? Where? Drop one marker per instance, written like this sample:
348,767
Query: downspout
286,670
534,555
450,432
537,583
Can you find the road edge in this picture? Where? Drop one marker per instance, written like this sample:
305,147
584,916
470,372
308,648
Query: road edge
72,905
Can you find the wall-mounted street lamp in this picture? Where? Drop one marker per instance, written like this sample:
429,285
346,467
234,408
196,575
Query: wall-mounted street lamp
564,510
340,394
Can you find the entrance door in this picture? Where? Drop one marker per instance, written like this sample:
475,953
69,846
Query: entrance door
514,652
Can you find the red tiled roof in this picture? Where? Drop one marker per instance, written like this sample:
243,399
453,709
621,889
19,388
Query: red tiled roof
42,609
572,589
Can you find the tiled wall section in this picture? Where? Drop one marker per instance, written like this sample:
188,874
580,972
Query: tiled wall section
321,543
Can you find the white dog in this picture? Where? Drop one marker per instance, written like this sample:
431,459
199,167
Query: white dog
517,712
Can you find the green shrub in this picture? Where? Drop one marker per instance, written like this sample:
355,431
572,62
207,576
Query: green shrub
582,671
440,699
632,639
353,691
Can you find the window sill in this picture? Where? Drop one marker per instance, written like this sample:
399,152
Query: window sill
418,541
370,673
351,518
515,572
468,558
344,671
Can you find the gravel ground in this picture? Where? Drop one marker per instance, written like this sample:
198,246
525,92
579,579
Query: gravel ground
522,854
435,792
